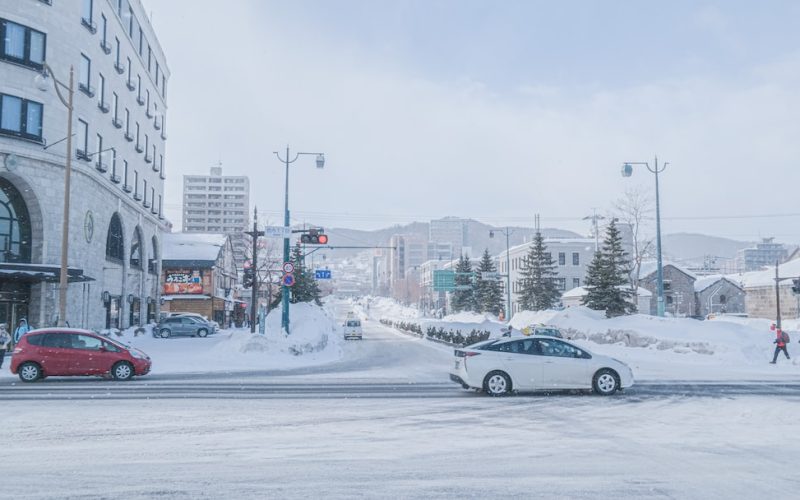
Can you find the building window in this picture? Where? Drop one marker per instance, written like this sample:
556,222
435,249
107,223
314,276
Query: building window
98,152
127,124
144,192
136,195
104,34
667,285
85,76
86,16
15,225
576,282
576,259
138,138
115,241
149,59
20,117
125,186
83,140
130,75
723,299
152,263
562,259
21,44
548,257
115,106
561,283
117,58
136,249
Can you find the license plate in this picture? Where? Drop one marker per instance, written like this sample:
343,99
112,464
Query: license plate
458,363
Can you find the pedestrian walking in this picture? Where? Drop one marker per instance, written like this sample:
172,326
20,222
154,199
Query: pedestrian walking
5,342
21,330
781,339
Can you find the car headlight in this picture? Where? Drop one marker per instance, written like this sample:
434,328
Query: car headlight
138,354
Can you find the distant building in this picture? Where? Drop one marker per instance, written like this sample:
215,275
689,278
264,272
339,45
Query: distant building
718,295
766,253
408,252
218,204
570,255
760,297
679,299
452,230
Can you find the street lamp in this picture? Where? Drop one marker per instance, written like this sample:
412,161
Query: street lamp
41,83
508,233
627,171
320,161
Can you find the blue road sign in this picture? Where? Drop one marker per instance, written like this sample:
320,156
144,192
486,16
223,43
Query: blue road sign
322,274
288,280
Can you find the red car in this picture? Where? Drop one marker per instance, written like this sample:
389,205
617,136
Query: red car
64,351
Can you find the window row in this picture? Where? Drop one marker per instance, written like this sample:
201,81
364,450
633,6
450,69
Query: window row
22,45
560,283
519,262
142,145
143,99
21,117
134,31
115,246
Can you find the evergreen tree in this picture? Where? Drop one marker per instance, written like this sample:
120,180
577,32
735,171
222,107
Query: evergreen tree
463,298
537,285
607,277
305,287
488,293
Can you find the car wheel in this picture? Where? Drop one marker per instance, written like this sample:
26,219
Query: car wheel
30,372
164,333
202,332
605,382
122,371
497,384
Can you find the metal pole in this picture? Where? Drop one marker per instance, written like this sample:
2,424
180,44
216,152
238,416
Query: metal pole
63,281
254,264
777,296
508,278
660,268
285,290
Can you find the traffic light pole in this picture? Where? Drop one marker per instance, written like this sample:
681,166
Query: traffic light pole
795,289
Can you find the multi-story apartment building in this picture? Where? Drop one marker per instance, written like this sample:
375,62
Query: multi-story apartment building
118,161
452,230
570,255
217,203
766,253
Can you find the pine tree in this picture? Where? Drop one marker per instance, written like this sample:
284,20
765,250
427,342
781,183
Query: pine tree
537,285
489,292
305,287
607,277
463,298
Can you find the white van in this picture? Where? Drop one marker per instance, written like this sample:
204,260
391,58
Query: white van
352,328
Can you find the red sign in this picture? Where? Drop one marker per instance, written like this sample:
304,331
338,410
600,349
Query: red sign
183,282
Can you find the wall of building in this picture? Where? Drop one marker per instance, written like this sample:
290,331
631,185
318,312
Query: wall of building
722,297
679,297
760,302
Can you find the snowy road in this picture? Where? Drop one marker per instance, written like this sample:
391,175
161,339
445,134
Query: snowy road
384,422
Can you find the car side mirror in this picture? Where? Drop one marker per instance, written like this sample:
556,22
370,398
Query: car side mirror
103,349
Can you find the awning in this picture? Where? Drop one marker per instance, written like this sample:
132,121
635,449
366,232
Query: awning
185,297
36,273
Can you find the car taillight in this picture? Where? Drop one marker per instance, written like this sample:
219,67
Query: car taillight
466,354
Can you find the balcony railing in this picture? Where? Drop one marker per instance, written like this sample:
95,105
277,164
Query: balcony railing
127,188
128,137
103,106
101,167
89,25
119,67
116,179
105,46
86,89
139,148
137,196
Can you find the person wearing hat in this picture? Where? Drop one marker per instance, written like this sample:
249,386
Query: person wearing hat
5,342
782,338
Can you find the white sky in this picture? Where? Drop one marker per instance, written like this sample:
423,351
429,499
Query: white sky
490,110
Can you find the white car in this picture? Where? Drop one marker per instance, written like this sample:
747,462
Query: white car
352,329
536,363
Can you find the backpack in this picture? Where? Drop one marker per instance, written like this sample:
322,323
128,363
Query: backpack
785,337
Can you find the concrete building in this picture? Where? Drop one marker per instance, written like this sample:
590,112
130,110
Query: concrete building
219,204
679,298
766,253
200,276
118,162
452,230
760,297
408,252
718,294
571,256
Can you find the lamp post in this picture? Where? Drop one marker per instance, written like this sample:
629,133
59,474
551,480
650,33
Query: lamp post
627,171
288,160
508,233
63,283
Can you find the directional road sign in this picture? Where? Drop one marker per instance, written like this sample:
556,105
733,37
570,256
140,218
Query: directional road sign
278,232
322,274
288,280
444,280
288,267
490,276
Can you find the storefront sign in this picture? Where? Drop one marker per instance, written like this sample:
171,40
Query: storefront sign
181,281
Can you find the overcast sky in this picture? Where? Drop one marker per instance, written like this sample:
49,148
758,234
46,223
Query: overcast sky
491,110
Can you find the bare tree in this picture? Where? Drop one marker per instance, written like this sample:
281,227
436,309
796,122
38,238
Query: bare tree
635,210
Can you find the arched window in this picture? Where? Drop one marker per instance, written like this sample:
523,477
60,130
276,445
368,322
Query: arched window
15,225
136,249
115,241
723,299
152,263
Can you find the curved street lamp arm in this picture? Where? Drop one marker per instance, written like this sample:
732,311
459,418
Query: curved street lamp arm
56,83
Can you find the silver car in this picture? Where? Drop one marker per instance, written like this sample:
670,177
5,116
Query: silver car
175,326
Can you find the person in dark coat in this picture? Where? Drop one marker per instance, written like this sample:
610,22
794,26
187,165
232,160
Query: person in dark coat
780,345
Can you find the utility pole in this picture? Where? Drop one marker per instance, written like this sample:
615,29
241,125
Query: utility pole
777,296
254,234
594,218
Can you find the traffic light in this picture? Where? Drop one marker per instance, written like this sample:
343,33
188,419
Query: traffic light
796,286
314,237
249,277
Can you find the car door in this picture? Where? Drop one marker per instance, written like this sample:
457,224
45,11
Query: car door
56,353
190,326
524,368
87,356
565,366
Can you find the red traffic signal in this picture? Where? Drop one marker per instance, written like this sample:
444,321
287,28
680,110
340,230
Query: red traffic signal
323,239
314,237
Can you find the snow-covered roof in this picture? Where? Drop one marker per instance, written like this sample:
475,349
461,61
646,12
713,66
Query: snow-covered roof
756,279
704,282
192,246
548,242
649,267
581,291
